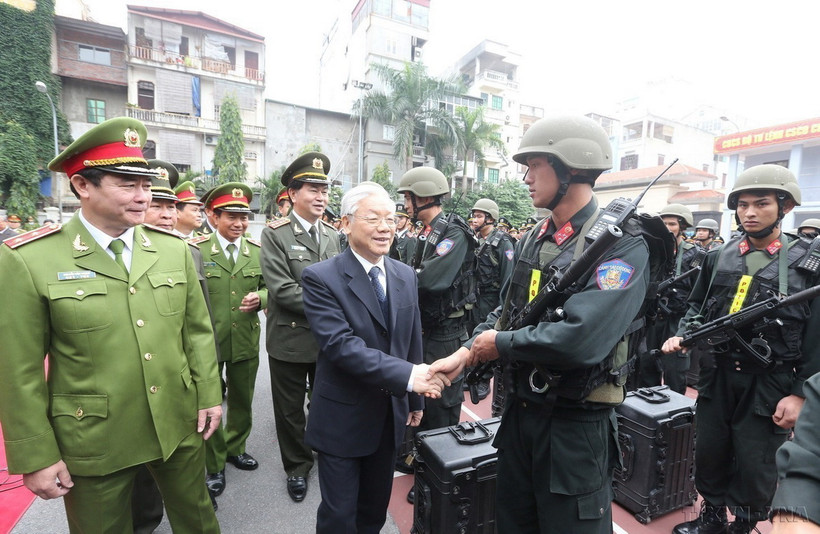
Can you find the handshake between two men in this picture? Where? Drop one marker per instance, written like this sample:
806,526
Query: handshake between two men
443,371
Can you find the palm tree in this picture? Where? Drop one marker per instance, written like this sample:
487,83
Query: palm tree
410,104
476,135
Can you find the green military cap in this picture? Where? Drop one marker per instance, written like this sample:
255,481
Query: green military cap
283,195
503,223
13,218
311,167
186,193
162,186
233,196
331,213
114,146
401,211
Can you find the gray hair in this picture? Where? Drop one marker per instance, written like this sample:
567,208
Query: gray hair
354,197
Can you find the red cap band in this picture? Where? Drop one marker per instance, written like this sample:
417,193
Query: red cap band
110,154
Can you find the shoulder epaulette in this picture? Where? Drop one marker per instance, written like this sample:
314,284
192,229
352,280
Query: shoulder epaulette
162,230
33,235
253,242
192,245
278,223
199,239
329,225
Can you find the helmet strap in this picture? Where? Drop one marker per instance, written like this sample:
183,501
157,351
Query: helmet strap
564,178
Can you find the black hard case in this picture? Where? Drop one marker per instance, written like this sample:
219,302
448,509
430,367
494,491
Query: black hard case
656,432
456,479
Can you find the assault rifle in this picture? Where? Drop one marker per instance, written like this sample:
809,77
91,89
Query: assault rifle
724,329
669,282
549,300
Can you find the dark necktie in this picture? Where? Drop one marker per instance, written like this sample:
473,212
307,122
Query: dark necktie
231,260
117,247
314,234
379,290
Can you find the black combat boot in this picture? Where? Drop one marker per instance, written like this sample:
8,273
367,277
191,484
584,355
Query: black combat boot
712,520
742,526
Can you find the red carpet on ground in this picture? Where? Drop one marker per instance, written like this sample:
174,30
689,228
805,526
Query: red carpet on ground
14,497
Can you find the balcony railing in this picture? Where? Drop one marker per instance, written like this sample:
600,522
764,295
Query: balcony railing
498,77
189,121
194,62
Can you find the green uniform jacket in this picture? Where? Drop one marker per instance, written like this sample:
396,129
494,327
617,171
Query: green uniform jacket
236,331
131,359
286,251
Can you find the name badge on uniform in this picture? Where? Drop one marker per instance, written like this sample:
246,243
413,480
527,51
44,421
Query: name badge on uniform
742,291
209,264
76,275
299,248
535,284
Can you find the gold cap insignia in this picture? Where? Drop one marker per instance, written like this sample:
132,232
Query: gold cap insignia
163,174
317,164
236,193
132,138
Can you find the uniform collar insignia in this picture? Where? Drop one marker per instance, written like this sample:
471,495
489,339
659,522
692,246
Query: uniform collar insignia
214,249
563,234
145,241
78,244
743,247
543,228
245,250
773,247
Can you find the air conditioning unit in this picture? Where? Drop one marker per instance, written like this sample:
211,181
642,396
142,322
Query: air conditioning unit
211,140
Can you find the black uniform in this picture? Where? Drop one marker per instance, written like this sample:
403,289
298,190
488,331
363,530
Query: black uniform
737,439
494,262
671,307
444,260
557,450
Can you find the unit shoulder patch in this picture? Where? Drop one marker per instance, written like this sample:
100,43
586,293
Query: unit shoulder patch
278,223
32,235
614,274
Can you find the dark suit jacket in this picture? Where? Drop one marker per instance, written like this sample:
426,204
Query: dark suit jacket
359,362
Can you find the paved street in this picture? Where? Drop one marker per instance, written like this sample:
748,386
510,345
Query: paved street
253,501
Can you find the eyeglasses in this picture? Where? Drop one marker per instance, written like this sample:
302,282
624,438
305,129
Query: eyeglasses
375,222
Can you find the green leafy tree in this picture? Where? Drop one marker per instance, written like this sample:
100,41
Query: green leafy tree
410,103
381,175
269,190
229,156
476,135
26,59
512,198
335,200
18,172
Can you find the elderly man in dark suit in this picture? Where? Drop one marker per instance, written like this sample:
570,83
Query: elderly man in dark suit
369,373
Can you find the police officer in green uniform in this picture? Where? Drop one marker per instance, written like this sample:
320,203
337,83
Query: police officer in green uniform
189,210
289,245
557,443
444,261
132,375
669,309
745,408
237,292
797,499
705,232
404,245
